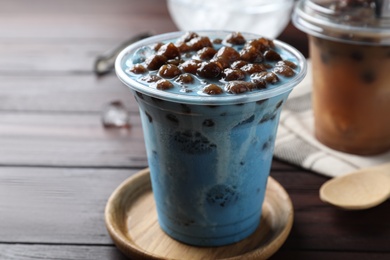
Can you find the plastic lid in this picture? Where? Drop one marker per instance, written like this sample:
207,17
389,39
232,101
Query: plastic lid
343,20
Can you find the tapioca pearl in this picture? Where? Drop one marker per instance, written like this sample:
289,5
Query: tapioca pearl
271,55
212,89
217,41
246,121
188,36
279,105
268,143
286,63
185,78
267,117
206,53
235,38
232,74
154,62
238,64
284,70
162,84
222,195
190,66
150,118
208,123
185,109
259,82
209,70
192,142
151,78
251,54
199,43
222,61
138,69
368,76
169,71
238,86
228,53
169,50
139,94
261,44
157,46
253,68
183,47
172,118
260,102
267,76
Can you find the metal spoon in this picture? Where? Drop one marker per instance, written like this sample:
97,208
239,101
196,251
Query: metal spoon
362,189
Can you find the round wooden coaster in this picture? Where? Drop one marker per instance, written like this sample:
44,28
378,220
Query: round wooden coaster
131,221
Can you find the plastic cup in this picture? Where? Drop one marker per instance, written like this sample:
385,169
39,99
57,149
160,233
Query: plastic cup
350,56
209,156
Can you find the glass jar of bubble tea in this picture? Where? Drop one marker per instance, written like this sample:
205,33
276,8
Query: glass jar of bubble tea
349,45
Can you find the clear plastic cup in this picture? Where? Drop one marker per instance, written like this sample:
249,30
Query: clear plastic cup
350,56
209,156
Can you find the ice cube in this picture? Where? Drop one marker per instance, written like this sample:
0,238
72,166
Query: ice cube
142,54
115,115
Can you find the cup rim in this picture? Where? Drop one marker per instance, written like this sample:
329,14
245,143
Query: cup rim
206,100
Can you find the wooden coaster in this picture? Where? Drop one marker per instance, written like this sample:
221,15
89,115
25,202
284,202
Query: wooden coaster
131,221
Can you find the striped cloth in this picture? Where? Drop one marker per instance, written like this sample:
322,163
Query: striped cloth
295,142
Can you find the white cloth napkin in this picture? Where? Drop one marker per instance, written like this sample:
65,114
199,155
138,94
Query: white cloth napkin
296,144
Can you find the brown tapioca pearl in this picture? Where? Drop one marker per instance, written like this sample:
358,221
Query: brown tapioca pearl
150,118
279,104
272,55
212,89
183,47
190,66
169,71
151,78
284,70
154,62
217,41
238,64
206,53
172,118
157,46
224,62
238,86
251,54
199,43
287,63
260,83
138,69
356,56
209,70
232,74
162,84
227,53
253,68
235,38
258,44
185,79
169,50
268,77
188,36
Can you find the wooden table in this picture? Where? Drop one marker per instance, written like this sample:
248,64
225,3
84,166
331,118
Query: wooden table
58,164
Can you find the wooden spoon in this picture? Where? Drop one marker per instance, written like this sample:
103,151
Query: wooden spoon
362,189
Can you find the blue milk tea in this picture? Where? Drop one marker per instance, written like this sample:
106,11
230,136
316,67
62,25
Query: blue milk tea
210,104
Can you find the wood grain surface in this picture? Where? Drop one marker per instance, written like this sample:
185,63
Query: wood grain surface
59,165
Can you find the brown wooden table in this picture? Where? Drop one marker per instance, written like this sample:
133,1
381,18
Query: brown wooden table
58,164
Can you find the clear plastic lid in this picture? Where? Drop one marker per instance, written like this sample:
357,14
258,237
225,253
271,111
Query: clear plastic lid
358,21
